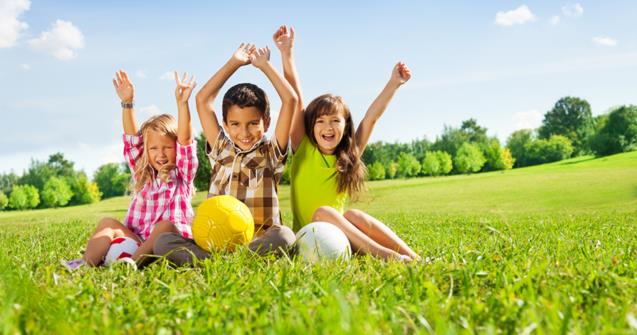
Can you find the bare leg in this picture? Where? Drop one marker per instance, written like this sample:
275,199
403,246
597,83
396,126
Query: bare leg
147,247
107,229
378,232
360,242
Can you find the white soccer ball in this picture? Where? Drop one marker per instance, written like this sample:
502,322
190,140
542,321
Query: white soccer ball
120,247
322,241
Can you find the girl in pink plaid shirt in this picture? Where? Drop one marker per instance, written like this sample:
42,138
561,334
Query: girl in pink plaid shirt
162,157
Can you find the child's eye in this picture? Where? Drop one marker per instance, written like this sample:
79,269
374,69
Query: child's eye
319,121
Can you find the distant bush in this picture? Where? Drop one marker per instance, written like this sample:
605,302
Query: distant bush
24,197
469,158
408,165
112,180
391,170
202,177
431,165
376,171
56,193
618,133
4,201
556,148
436,163
519,143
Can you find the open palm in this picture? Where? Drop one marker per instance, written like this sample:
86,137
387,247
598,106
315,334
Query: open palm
242,55
123,86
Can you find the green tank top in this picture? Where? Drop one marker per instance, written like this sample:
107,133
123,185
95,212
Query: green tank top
313,183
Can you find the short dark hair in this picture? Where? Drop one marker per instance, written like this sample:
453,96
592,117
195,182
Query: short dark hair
246,95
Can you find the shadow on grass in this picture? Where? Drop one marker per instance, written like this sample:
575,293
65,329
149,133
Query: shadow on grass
580,161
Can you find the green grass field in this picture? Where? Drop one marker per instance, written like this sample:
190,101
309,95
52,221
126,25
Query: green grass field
541,250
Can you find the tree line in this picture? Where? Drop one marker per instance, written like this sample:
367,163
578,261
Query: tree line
567,130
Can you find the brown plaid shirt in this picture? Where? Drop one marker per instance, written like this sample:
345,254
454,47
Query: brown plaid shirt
251,176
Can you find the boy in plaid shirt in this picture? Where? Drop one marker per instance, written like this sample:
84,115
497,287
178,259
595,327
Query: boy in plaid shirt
245,163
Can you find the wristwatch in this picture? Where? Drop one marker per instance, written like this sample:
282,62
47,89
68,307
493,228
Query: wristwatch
127,105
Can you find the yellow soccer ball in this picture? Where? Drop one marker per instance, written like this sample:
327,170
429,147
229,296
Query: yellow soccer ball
221,223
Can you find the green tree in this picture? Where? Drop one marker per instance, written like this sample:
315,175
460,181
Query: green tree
519,143
431,164
444,159
202,177
7,181
112,180
376,171
56,193
469,158
392,170
84,191
507,159
4,201
492,151
618,132
570,117
408,165
554,149
24,197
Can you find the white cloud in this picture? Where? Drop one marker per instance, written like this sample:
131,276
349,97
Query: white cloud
140,74
151,110
605,41
25,67
170,75
528,119
62,40
573,10
519,15
10,26
555,20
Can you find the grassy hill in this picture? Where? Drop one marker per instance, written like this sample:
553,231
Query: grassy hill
546,249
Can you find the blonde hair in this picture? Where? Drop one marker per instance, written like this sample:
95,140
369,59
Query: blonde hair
350,169
144,173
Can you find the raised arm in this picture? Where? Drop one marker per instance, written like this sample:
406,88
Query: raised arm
208,93
284,40
126,93
400,75
289,100
182,94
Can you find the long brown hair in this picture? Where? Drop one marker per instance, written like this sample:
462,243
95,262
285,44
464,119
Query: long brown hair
144,172
350,168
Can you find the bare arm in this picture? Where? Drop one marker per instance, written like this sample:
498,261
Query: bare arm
182,94
206,96
400,75
289,100
284,40
126,92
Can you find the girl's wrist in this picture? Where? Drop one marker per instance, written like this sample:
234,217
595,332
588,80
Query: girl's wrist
127,104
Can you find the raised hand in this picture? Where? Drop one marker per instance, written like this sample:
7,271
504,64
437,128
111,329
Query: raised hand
260,57
400,74
123,86
184,88
243,53
284,38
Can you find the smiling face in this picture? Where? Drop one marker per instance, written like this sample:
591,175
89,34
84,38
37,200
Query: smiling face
161,148
328,131
245,126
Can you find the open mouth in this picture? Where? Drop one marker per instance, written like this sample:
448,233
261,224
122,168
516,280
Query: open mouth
246,141
328,138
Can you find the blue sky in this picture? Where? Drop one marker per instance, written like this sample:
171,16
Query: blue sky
504,63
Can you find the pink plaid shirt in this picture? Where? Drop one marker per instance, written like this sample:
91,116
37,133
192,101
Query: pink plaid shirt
162,201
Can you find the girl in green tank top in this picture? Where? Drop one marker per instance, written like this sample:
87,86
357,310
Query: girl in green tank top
327,168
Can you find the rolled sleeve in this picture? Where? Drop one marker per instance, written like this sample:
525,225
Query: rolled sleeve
133,149
187,161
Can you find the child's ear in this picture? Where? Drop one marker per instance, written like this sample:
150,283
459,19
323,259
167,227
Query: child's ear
266,123
225,127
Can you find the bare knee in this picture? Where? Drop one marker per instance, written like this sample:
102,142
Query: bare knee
353,214
324,213
165,226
